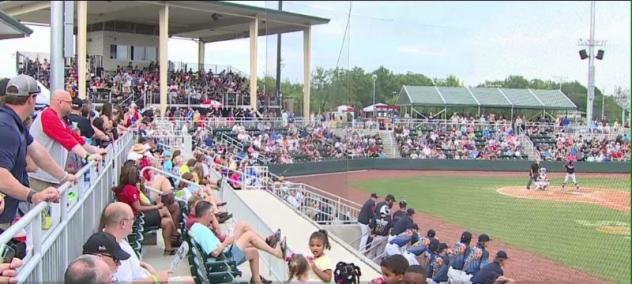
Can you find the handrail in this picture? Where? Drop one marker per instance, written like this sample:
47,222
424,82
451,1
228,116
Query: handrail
46,244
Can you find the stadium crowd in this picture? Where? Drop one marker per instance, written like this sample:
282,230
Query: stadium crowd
462,138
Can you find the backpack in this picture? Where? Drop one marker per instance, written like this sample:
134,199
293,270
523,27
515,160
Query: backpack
347,273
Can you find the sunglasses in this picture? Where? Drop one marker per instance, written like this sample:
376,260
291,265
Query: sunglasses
116,260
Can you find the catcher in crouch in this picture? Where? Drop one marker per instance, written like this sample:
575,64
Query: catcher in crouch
541,182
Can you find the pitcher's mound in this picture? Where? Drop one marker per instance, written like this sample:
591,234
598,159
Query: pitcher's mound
618,200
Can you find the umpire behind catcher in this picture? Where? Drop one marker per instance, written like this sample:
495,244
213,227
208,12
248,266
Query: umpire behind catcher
533,172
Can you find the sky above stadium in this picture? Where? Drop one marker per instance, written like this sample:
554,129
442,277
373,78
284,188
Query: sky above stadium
476,41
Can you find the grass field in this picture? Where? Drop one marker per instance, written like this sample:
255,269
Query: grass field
563,232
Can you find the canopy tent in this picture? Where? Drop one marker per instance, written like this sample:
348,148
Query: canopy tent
344,108
374,107
11,28
484,97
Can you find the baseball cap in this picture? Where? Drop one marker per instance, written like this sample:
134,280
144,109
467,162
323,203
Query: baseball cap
22,86
373,195
502,254
484,238
403,203
410,211
102,242
390,197
77,103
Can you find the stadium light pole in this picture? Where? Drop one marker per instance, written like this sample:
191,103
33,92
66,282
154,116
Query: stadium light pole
374,77
591,43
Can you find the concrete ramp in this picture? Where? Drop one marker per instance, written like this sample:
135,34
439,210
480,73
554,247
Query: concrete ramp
266,213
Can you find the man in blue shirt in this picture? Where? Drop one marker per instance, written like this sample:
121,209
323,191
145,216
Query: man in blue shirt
16,144
243,245
493,273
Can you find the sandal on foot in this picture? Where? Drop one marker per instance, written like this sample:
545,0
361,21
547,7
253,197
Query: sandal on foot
284,248
274,239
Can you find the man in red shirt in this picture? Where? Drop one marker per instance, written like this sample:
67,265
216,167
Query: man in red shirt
50,130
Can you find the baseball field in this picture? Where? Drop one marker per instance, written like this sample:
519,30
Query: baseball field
550,236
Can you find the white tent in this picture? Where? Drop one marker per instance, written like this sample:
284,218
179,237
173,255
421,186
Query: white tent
344,108
371,108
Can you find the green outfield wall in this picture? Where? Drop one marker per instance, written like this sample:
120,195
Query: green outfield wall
332,166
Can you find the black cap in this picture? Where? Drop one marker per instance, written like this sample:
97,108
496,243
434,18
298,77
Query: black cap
102,242
77,103
431,233
390,197
484,238
466,237
502,254
410,211
373,195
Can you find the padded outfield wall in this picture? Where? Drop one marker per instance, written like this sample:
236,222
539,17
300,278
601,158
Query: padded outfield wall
332,166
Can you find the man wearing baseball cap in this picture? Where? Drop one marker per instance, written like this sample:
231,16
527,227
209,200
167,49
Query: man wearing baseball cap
16,144
493,272
105,246
364,218
401,212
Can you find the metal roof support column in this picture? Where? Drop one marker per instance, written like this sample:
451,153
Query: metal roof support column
56,45
254,33
201,54
307,65
82,51
163,22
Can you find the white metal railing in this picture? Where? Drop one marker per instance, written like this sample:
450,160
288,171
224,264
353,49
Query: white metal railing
277,268
49,252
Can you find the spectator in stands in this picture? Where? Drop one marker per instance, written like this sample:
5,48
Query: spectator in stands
478,257
364,218
104,246
380,228
321,267
153,215
118,220
457,259
88,269
404,223
298,268
393,269
79,115
54,134
243,245
493,272
415,274
16,144
401,211
439,266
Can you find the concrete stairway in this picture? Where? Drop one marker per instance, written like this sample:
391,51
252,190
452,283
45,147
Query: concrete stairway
391,149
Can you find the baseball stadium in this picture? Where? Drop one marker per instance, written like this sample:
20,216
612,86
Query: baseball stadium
228,142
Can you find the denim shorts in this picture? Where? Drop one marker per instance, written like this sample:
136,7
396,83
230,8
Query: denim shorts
237,255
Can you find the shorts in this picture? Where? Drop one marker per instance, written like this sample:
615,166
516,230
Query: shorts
152,218
237,255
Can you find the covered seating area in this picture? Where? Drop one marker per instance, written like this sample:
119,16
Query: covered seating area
432,96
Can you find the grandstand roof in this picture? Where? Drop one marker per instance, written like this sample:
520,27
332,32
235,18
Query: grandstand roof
484,97
10,28
210,21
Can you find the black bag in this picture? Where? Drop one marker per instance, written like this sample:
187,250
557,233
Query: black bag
347,273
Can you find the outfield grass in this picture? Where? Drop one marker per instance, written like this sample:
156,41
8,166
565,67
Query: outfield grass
556,230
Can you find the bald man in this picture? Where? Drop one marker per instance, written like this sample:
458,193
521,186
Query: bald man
88,269
51,130
117,220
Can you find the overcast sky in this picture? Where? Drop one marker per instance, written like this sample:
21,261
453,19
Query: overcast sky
476,41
